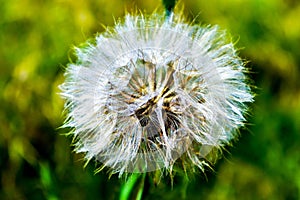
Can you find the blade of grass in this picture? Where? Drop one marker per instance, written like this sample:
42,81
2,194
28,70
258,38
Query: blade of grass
141,189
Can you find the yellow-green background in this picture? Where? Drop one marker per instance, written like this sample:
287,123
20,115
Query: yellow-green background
36,162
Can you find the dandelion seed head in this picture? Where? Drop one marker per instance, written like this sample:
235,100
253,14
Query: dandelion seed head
155,90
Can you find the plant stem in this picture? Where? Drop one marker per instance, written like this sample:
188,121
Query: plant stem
127,190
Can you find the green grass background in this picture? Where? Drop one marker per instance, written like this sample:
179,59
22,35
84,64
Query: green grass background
36,162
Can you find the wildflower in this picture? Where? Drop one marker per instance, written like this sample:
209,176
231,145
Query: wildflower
154,90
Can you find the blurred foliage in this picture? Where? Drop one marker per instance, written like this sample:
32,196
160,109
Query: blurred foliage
37,162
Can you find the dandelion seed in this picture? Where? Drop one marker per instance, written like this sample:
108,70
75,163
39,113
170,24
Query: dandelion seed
153,91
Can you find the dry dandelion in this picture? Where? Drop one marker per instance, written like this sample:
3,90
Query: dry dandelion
153,91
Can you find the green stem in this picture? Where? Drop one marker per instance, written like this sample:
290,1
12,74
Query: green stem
128,188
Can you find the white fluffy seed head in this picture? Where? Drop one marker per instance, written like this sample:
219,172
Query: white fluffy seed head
154,90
